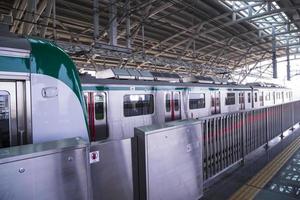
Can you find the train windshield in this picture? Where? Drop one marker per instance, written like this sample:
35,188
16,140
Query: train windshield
4,119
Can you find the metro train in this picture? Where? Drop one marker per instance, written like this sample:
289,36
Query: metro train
42,97
115,107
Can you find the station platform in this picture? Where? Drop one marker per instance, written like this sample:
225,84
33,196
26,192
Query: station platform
266,174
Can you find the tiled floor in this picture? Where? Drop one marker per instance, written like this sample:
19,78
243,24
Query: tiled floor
232,182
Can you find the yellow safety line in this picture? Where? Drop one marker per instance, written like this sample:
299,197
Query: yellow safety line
271,167
252,187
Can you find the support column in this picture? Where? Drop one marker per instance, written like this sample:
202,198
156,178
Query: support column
113,22
288,66
128,34
96,18
274,61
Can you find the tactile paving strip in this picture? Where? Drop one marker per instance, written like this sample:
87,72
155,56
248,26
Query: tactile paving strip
262,180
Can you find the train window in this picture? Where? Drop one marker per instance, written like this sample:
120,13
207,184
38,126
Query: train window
255,96
4,119
99,107
135,105
230,99
261,98
268,97
197,101
241,98
176,102
168,102
249,97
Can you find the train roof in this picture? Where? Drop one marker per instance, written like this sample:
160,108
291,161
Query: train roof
89,79
12,44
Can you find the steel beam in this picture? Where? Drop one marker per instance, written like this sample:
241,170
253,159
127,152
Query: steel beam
54,20
96,18
230,23
128,33
138,57
20,10
113,23
46,19
29,17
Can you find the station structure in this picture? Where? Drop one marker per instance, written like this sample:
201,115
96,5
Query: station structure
149,99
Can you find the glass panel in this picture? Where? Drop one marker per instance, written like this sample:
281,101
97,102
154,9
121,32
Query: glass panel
142,104
230,99
249,97
197,101
4,119
99,107
255,97
168,103
213,100
261,99
241,98
176,102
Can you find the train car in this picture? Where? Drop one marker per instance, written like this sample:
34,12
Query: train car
270,94
117,106
41,97
40,92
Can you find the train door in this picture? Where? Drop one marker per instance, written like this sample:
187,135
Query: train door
13,130
172,106
261,99
242,100
97,117
215,102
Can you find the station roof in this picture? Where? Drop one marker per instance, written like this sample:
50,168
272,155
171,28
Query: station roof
183,36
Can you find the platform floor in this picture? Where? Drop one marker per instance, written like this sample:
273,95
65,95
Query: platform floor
272,174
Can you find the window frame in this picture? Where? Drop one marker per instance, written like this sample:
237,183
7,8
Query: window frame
152,109
103,107
197,99
230,103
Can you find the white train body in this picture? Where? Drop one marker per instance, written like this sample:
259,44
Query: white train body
163,102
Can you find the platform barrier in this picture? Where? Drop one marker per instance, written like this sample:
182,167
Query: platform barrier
111,173
46,171
169,159
228,138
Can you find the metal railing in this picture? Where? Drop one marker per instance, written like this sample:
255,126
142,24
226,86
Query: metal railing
228,138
